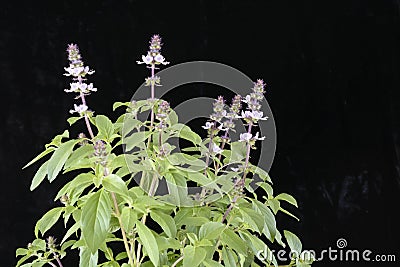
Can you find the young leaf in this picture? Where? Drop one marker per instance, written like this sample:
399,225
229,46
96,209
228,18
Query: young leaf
48,220
41,155
95,219
135,139
149,242
104,126
288,198
293,242
230,239
60,156
114,183
193,256
72,120
39,176
74,228
211,230
128,218
78,155
166,222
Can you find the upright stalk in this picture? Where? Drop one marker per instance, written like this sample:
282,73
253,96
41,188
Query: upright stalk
116,209
240,182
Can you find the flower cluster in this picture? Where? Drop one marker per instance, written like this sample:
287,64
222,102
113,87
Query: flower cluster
219,111
78,72
163,111
232,114
100,152
248,137
154,56
80,109
253,103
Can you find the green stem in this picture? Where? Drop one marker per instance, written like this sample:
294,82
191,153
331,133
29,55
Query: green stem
116,209
177,261
240,182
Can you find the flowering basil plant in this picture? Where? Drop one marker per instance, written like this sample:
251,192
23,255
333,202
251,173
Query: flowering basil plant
223,224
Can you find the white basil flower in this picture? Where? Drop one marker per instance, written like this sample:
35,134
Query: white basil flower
79,109
216,149
245,137
258,138
146,60
258,115
160,59
91,88
208,125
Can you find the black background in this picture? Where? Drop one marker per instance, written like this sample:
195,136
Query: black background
333,85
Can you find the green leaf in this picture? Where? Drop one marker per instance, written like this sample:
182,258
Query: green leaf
274,204
72,120
166,222
128,218
193,221
238,151
177,188
48,220
185,132
86,258
211,230
149,242
74,228
231,239
79,155
193,256
288,198
60,156
104,126
95,219
269,218
260,172
252,218
41,155
39,176
114,183
135,139
267,188
57,139
293,242
228,257
120,104
212,263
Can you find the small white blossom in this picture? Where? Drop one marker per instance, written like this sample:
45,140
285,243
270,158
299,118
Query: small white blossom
216,149
258,115
208,125
258,138
160,59
79,109
247,99
254,115
245,137
221,128
235,169
91,88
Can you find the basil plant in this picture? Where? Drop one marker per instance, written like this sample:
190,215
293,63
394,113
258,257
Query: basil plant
163,205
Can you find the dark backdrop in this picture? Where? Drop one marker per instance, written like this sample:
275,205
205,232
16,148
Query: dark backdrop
332,73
